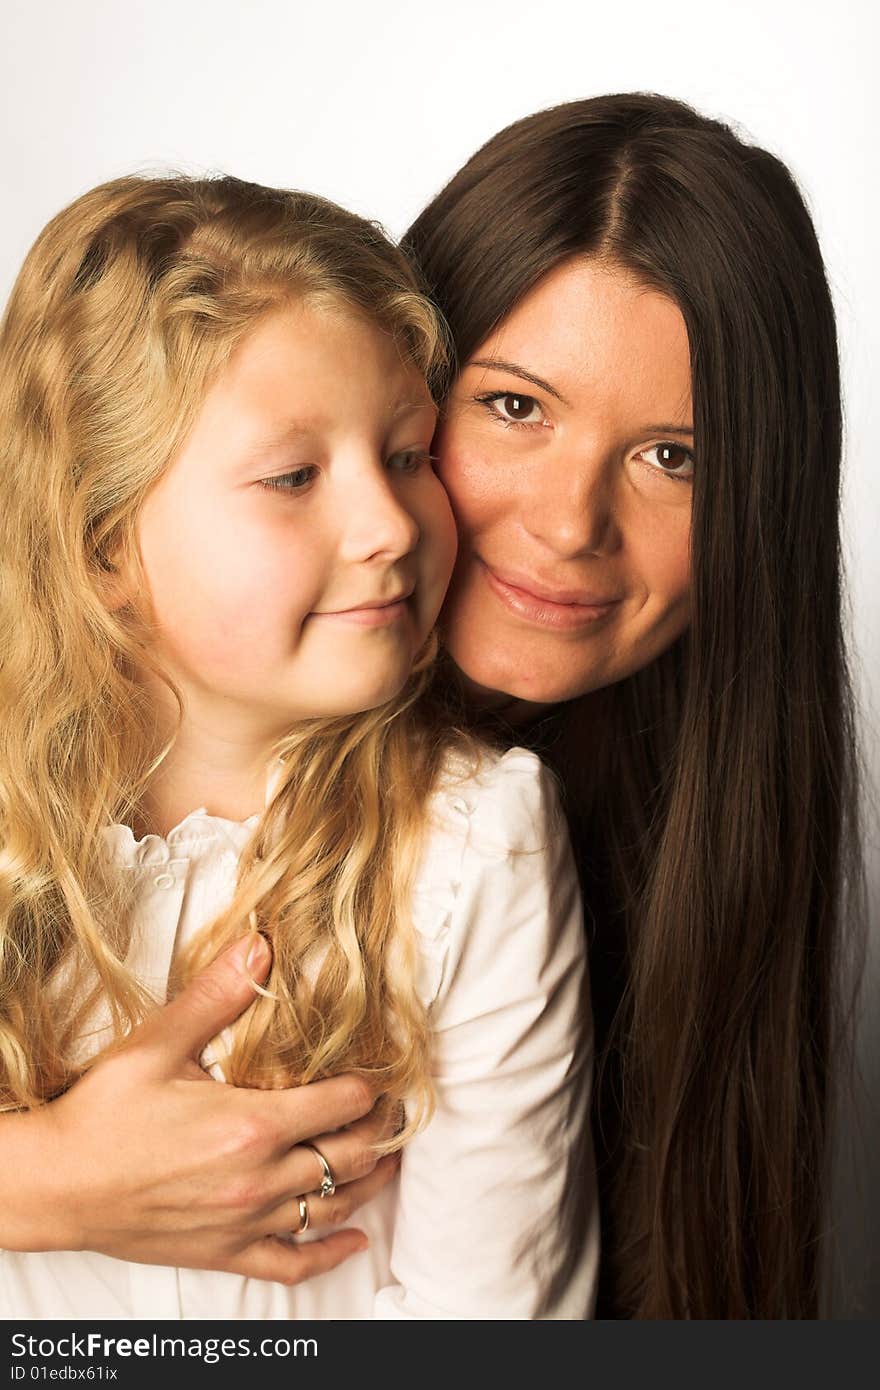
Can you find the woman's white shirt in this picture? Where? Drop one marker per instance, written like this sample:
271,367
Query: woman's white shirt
493,1214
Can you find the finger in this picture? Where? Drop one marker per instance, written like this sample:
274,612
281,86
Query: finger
210,1002
350,1154
285,1263
303,1111
325,1212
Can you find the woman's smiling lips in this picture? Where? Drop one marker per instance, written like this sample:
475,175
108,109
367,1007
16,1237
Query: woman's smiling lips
559,608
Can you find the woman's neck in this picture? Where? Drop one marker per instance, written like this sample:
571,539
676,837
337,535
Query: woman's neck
501,706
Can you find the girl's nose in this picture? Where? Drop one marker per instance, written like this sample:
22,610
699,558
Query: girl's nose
375,523
570,507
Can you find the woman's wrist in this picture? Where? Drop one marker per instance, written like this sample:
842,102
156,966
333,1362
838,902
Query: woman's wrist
37,1207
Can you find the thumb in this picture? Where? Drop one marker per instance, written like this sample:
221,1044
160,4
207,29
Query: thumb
211,1001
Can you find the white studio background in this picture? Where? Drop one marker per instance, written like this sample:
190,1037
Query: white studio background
377,105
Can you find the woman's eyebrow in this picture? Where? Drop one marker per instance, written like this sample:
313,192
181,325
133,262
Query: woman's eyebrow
499,365
668,429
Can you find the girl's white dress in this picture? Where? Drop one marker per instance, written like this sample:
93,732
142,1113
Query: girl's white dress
493,1214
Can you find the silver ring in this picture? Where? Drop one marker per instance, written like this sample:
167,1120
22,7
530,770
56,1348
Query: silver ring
327,1185
303,1216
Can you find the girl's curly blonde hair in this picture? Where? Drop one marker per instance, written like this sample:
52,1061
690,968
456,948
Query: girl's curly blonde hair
126,309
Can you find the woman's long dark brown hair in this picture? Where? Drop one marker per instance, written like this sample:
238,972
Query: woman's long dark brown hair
713,795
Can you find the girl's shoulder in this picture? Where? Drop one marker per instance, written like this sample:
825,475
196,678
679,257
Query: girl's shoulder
496,851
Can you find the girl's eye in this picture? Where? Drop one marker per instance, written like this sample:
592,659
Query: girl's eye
512,408
297,481
410,460
672,459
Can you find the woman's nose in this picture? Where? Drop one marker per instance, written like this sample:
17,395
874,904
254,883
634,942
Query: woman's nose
375,522
570,507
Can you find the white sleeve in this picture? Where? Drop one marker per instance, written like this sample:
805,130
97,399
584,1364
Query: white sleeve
497,1215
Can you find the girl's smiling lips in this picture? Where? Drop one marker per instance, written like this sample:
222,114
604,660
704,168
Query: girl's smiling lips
372,613
538,603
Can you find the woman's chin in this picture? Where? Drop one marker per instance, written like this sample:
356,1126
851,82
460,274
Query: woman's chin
495,683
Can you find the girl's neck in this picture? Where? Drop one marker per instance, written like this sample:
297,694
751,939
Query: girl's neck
167,803
228,779
218,760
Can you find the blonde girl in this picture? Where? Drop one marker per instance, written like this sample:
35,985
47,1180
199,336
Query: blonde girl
223,551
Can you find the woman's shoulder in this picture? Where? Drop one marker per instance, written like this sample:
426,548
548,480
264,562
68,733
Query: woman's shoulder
501,802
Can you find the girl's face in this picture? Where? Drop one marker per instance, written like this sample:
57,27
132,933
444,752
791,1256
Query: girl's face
298,547
566,453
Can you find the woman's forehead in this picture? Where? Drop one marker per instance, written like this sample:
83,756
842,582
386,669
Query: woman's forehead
588,326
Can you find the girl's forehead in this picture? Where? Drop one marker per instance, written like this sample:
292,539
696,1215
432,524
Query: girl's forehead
298,379
312,358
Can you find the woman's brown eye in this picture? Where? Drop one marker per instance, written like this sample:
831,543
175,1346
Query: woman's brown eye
672,456
511,408
519,407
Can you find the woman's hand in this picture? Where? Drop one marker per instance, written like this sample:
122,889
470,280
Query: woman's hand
146,1158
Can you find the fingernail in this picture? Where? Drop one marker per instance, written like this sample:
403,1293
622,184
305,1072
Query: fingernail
363,1244
257,953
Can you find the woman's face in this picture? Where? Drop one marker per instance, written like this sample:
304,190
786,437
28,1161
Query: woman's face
566,450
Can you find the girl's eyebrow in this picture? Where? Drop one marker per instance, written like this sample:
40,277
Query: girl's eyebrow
285,432
411,407
291,430
497,364
256,451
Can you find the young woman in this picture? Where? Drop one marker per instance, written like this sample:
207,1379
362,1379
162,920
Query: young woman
223,551
642,451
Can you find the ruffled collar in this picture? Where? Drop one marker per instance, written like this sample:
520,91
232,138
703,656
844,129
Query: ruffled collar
197,829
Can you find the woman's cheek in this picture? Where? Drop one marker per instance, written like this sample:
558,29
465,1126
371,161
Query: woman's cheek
467,470
677,561
444,545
